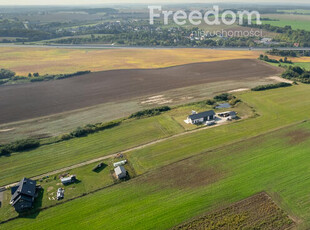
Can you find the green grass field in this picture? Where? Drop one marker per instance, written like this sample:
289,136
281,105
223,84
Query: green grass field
54,156
296,21
130,133
88,181
296,11
276,162
164,196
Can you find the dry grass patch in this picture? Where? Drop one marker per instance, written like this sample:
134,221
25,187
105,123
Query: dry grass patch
184,174
256,212
297,136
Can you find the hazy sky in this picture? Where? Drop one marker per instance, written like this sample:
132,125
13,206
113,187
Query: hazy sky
88,2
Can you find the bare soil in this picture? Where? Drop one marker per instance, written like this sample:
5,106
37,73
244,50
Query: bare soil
298,136
21,102
256,212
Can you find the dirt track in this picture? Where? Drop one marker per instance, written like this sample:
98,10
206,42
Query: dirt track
21,102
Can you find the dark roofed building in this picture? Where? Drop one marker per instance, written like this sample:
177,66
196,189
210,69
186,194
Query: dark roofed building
23,194
201,117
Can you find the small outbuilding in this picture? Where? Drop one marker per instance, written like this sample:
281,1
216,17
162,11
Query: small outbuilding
198,118
120,172
120,163
68,180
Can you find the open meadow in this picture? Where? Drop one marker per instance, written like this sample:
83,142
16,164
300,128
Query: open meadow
58,155
196,173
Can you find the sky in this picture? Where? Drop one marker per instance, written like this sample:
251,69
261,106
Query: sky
90,2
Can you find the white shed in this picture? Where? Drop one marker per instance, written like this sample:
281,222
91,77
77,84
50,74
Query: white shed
120,172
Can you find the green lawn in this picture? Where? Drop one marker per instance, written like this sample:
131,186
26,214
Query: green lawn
51,157
276,162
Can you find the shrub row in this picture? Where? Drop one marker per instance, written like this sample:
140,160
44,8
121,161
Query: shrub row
150,112
19,146
271,86
8,75
223,97
58,76
84,131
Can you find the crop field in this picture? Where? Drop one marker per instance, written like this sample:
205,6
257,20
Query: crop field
276,162
28,101
56,61
255,212
296,21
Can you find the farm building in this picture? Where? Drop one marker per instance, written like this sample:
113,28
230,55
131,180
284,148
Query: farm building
198,118
120,172
23,195
68,180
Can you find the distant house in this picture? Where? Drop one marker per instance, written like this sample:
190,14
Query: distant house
120,172
266,40
68,180
198,118
23,195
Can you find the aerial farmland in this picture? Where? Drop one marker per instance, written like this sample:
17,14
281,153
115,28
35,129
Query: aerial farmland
108,121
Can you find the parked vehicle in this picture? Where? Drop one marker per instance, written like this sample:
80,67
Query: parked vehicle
60,193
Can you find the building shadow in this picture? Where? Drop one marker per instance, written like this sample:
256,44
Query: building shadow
100,167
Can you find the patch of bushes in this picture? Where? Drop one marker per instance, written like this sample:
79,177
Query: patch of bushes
3,82
223,97
234,101
19,146
65,137
6,74
271,86
150,112
289,53
297,73
206,102
84,131
267,59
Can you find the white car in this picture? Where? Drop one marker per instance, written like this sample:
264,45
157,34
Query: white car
60,193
